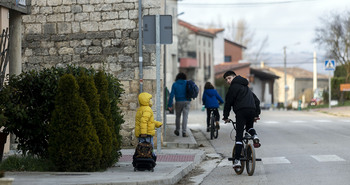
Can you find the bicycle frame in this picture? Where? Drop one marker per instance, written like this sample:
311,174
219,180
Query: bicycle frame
248,154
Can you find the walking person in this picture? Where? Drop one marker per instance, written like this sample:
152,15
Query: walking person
182,104
211,100
246,106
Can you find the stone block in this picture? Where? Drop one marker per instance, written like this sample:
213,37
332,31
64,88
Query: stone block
123,14
133,14
29,19
89,26
80,17
95,50
68,17
109,15
54,2
33,28
77,9
55,18
64,28
50,28
88,8
45,10
95,16
66,51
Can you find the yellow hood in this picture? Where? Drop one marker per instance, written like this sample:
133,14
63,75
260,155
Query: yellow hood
144,99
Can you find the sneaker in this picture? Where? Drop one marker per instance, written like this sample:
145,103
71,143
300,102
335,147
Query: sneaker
256,141
217,125
184,135
236,164
176,133
208,129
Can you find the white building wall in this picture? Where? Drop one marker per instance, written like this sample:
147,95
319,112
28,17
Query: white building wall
219,48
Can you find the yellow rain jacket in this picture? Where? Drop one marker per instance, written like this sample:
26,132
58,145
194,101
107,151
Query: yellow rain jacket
144,120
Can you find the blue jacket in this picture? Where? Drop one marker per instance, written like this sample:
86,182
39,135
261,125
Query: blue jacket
178,89
211,98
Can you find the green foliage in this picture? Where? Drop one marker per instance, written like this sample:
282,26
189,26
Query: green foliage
26,163
74,144
105,108
340,71
88,92
115,91
28,100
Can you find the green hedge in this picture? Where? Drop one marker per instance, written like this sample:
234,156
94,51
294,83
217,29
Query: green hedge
28,100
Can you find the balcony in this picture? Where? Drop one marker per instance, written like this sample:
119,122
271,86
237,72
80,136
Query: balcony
188,63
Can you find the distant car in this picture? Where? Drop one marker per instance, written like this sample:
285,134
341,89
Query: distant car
315,101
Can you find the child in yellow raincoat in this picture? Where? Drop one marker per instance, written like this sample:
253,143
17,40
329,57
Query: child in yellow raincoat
145,124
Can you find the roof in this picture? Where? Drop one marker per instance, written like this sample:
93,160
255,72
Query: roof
223,67
263,73
215,30
300,73
234,43
197,30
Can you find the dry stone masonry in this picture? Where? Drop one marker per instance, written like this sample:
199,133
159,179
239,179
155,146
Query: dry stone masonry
93,33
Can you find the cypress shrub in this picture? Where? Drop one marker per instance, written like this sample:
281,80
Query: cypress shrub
88,92
115,91
101,83
73,142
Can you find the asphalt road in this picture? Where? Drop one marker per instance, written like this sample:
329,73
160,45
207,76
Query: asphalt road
297,148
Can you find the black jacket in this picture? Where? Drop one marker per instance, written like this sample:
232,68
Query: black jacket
239,96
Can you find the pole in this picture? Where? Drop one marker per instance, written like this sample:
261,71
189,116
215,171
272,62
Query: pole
285,78
140,47
164,83
315,73
158,80
329,89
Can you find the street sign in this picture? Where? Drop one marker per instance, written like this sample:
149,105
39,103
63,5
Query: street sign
329,65
149,29
344,87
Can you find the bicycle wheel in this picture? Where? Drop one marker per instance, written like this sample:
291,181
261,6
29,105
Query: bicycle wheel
238,171
250,159
216,131
212,127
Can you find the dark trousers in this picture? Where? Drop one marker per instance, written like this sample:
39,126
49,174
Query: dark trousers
244,118
216,113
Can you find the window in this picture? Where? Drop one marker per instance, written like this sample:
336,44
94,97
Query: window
228,59
191,54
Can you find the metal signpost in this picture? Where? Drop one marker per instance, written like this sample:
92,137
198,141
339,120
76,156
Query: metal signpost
329,66
157,29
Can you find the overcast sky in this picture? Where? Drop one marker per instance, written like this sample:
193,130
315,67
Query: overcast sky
285,22
289,23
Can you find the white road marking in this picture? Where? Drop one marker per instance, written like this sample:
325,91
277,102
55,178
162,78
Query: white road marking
346,120
327,158
270,122
275,160
298,121
323,120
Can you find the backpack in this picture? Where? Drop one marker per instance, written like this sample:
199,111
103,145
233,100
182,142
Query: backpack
143,150
191,90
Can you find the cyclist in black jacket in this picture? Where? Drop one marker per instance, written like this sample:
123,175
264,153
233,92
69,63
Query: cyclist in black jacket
246,106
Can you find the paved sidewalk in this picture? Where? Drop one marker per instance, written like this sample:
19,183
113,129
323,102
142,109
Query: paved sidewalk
177,158
335,111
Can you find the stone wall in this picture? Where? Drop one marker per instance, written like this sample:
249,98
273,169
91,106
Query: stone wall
93,33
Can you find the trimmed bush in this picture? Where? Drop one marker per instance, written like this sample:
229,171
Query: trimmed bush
74,144
105,108
88,92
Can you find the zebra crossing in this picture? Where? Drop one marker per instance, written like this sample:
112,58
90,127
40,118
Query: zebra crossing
285,160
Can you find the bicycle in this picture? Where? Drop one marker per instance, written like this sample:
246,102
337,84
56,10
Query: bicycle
214,132
248,158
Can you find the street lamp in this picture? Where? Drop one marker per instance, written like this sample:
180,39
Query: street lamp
286,87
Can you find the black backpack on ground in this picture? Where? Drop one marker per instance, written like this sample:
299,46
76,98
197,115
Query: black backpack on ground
143,158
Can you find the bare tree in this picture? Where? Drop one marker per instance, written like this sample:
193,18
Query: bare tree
334,36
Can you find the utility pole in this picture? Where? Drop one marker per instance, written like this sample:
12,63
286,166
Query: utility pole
285,78
314,87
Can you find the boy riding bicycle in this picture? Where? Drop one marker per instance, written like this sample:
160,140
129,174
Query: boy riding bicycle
246,106
211,100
